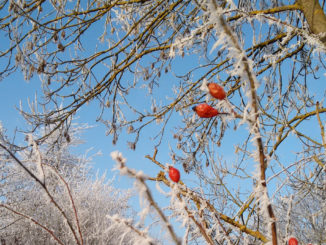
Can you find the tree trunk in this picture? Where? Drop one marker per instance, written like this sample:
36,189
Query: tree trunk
315,17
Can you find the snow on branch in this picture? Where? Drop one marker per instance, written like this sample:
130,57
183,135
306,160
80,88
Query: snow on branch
143,191
144,237
244,69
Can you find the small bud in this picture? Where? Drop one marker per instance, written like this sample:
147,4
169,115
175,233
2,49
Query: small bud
132,145
130,129
185,168
67,137
61,48
55,37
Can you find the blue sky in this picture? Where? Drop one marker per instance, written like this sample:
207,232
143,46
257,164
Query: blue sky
15,89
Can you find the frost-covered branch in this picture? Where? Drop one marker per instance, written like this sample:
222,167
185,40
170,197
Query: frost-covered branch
146,239
254,123
204,204
121,161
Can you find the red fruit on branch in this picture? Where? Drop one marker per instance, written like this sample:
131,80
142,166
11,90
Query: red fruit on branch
216,91
205,111
293,241
174,174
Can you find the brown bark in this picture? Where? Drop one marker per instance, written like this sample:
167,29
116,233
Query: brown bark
315,17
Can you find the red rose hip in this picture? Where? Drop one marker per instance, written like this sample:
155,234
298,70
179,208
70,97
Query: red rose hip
216,91
174,174
293,241
205,111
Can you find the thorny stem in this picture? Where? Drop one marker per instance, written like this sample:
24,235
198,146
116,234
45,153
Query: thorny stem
159,211
140,233
200,226
224,230
151,200
255,123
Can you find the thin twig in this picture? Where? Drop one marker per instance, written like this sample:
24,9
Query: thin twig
322,130
121,161
71,200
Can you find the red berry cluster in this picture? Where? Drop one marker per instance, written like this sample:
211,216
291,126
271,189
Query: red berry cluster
205,110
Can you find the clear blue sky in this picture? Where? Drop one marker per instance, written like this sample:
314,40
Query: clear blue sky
15,89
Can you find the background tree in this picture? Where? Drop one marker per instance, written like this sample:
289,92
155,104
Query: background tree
268,55
59,201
